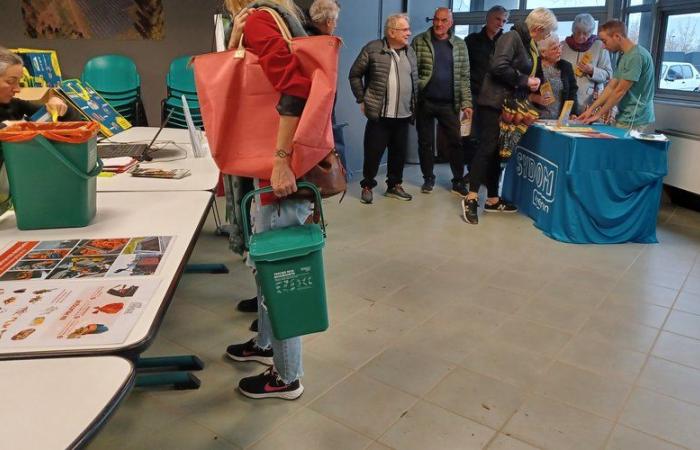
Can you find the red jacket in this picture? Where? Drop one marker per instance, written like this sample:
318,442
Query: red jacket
263,38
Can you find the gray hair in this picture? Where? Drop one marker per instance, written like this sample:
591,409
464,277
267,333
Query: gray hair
8,59
322,10
584,22
544,44
498,9
541,18
392,20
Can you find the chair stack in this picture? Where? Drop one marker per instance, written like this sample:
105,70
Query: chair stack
180,81
116,79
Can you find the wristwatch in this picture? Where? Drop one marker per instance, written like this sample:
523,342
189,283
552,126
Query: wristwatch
282,154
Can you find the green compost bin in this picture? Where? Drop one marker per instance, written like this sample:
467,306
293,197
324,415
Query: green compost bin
52,183
289,264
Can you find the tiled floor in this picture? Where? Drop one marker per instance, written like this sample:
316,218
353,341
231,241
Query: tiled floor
448,336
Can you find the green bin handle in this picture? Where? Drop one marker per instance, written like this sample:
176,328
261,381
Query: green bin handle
251,194
56,154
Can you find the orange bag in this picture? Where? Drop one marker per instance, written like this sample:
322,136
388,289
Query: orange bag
72,132
238,106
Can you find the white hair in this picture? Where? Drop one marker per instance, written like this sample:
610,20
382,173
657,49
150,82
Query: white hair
392,20
544,44
541,18
322,10
8,59
583,22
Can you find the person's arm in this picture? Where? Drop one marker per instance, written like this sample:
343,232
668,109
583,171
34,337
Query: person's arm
466,94
358,72
602,71
502,64
282,70
611,97
572,93
600,100
238,26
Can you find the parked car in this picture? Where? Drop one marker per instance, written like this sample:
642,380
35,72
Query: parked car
679,76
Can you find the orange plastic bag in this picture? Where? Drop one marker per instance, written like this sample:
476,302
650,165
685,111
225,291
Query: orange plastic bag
238,106
72,132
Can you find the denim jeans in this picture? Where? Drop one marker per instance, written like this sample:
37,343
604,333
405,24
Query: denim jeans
286,353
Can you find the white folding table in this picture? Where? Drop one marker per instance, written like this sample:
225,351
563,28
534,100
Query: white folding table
59,403
126,214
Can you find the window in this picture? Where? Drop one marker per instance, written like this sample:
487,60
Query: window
681,52
639,26
551,4
482,5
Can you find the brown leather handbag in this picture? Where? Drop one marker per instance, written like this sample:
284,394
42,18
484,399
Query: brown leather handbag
328,175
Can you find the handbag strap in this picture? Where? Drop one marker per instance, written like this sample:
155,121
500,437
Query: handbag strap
281,24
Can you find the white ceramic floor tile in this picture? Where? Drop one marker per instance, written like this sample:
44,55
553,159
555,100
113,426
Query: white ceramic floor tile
669,419
480,398
552,425
428,426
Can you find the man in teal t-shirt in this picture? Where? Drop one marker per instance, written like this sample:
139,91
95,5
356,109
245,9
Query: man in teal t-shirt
632,86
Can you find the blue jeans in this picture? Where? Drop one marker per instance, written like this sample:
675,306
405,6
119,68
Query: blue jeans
286,353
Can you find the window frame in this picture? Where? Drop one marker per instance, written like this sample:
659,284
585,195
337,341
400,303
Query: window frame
660,11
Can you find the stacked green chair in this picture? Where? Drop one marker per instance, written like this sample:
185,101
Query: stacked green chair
116,79
180,81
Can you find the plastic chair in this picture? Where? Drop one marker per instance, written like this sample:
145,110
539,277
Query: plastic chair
180,76
112,74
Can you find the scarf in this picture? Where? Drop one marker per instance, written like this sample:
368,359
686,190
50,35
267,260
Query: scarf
580,47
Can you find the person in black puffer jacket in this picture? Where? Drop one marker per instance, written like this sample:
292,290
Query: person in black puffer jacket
515,72
384,81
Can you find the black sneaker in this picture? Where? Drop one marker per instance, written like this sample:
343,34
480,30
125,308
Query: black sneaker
470,211
398,193
366,196
501,206
460,189
428,186
248,306
254,326
249,352
269,385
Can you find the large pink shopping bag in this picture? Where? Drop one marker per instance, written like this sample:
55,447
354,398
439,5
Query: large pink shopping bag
238,106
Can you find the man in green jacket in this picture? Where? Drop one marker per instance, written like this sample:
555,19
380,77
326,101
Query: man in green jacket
443,94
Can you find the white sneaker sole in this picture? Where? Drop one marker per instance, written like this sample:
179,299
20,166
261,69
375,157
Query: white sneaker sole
398,197
258,359
464,211
289,395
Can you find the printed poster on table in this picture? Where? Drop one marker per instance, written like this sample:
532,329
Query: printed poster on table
55,315
83,258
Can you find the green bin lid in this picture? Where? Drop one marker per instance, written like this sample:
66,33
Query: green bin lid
285,243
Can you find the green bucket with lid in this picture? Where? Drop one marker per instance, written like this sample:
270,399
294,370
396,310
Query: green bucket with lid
289,264
52,183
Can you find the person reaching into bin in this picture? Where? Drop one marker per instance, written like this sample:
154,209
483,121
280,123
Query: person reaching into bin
263,37
14,109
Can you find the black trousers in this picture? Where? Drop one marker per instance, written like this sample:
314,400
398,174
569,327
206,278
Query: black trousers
380,134
486,165
446,116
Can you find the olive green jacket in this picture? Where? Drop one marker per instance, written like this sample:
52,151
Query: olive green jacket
423,47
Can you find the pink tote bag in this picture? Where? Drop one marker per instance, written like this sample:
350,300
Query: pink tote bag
238,106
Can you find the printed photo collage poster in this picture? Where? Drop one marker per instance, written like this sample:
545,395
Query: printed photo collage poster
42,305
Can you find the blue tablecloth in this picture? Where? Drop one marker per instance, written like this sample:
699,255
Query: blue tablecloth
588,190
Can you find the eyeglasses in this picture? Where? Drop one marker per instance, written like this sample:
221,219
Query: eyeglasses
403,30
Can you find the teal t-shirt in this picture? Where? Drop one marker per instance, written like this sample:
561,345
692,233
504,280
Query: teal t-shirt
638,67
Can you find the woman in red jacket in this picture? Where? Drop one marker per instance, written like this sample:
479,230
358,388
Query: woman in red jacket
263,38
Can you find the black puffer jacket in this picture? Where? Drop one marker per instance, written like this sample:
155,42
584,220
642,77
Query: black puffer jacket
369,76
510,68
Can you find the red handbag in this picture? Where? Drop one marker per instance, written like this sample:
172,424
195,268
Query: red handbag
238,106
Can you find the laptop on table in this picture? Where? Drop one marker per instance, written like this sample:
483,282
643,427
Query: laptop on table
140,152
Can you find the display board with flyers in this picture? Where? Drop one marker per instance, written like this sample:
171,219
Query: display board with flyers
89,104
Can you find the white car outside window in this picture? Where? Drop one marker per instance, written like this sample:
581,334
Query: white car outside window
679,76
